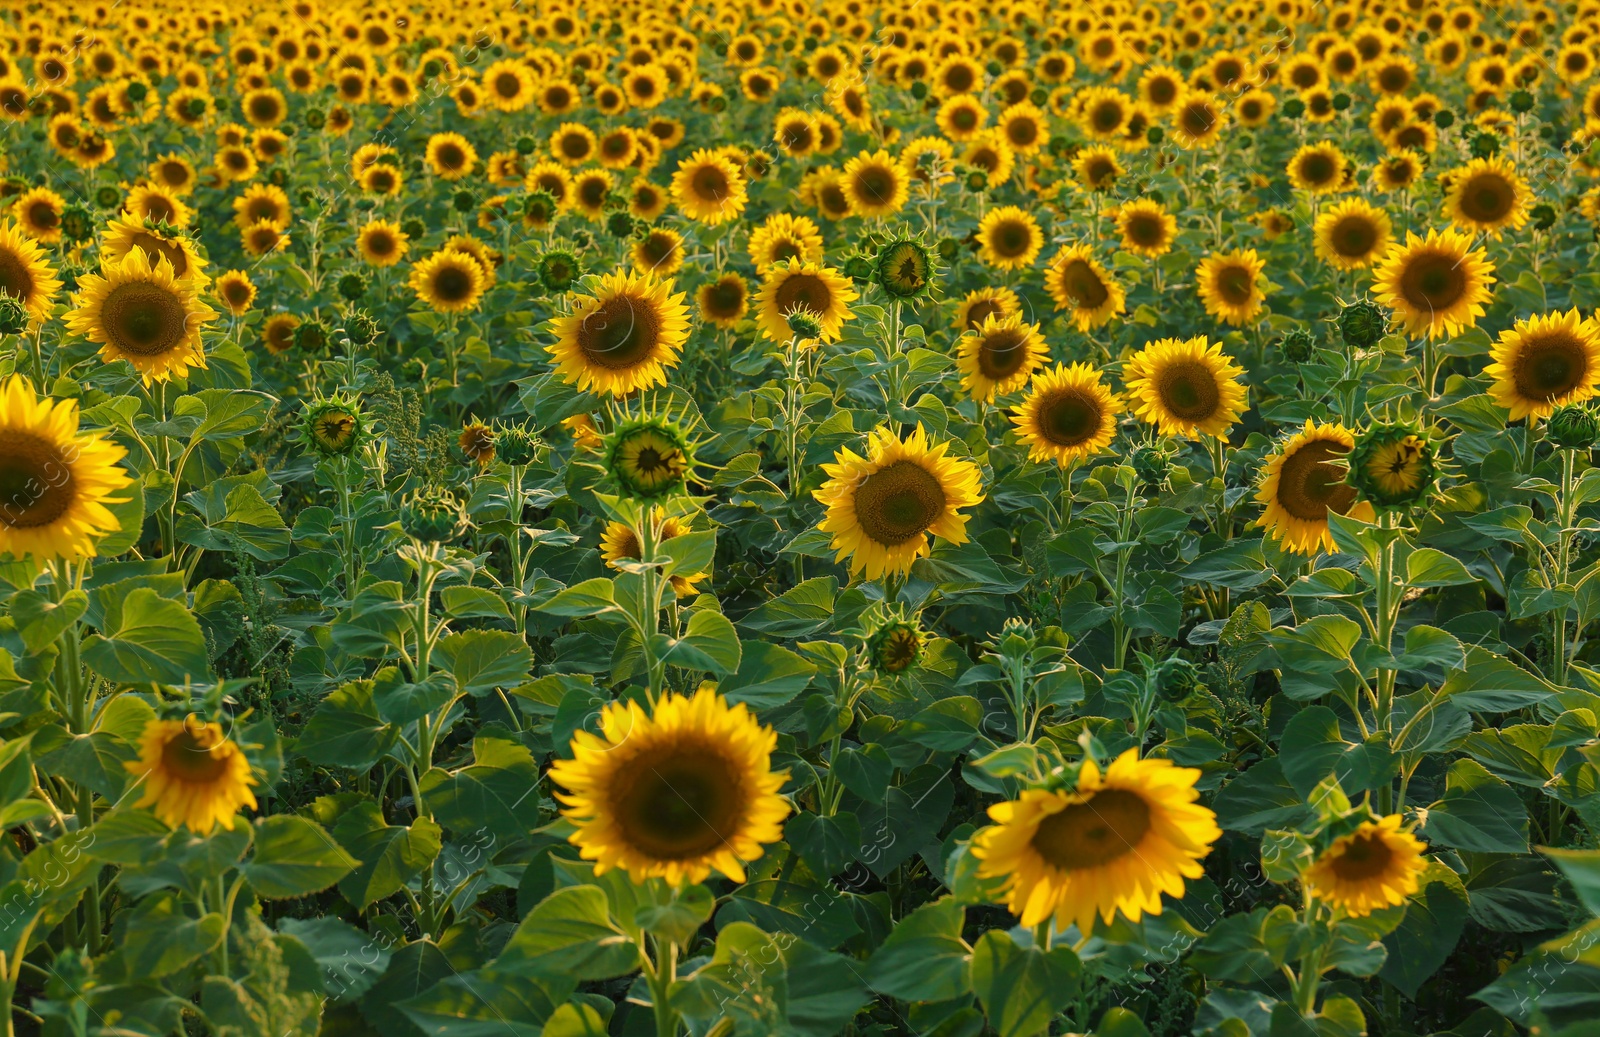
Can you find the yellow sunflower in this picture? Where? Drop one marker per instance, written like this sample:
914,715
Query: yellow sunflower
1009,238
1437,285
1197,121
659,252
1114,843
882,507
1080,285
1067,415
1185,388
675,794
382,243
796,285
1303,482
982,303
38,214
143,314
618,544
1487,195
450,156
875,184
1319,169
724,302
1351,234
1230,286
55,481
1374,867
236,292
1545,362
1000,357
193,774
622,338
125,234
449,281
25,274
1097,168
1147,228
709,188
784,237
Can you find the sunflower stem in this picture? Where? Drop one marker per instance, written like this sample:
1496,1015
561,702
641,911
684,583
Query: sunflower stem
1565,511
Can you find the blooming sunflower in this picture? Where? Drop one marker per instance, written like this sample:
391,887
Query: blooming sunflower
1114,843
1351,234
450,156
725,301
1009,238
1392,465
193,774
236,292
1437,285
125,234
649,456
38,213
1487,195
25,274
784,237
1230,285
709,188
622,338
55,481
1067,415
1079,284
1374,867
1147,228
658,251
1197,121
1185,388
676,794
999,357
382,243
982,303
796,285
1303,482
1319,169
618,543
882,507
449,281
1544,362
142,313
875,184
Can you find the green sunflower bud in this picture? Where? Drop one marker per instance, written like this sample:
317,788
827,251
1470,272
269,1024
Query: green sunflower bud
1299,345
1362,325
361,328
352,286
804,324
894,646
1573,427
311,336
433,516
333,427
904,269
649,457
558,270
516,446
13,315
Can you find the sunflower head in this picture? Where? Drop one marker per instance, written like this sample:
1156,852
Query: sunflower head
649,456
433,516
558,270
517,445
894,644
1573,427
1362,325
1186,388
333,426
904,269
1393,466
192,774
626,336
477,442
1365,864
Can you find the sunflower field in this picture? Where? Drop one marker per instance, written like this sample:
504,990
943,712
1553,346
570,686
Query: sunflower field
784,518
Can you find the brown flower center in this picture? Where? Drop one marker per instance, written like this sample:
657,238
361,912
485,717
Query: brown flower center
1364,857
803,292
1002,352
452,282
144,319
1550,365
620,333
1087,835
1487,198
1433,282
898,503
1189,390
1010,239
193,758
1080,282
1235,284
1353,236
1068,417
35,481
679,802
1309,486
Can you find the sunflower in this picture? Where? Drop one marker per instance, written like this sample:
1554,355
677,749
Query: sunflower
508,85
1437,285
38,214
882,507
1393,465
193,774
450,156
142,313
649,457
144,202
277,332
477,443
1319,169
263,237
1161,87
1082,286
1303,482
573,144
724,302
618,543
1197,121
1114,843
236,292
1009,238
1230,286
784,237
382,243
874,184
25,274
1102,112
125,235
1147,228
999,357
449,281
798,285
55,481
1397,171
824,188
1067,415
1545,362
1487,195
1374,867
658,252
983,303
676,794
591,193
1097,168
709,188
1351,234
622,338
174,172
1185,388
961,117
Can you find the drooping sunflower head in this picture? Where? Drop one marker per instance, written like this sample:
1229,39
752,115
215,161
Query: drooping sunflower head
796,285
449,281
1544,362
1000,357
1392,466
1113,843
1304,482
649,456
1186,388
477,443
142,313
192,774
1351,234
1068,415
709,188
1487,195
882,507
1436,285
624,337
333,426
1009,238
905,269
676,793
124,235
1147,228
1080,285
1373,867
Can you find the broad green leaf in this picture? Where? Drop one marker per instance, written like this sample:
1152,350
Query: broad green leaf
924,957
294,857
1022,988
390,855
768,676
148,639
482,660
1478,812
570,933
